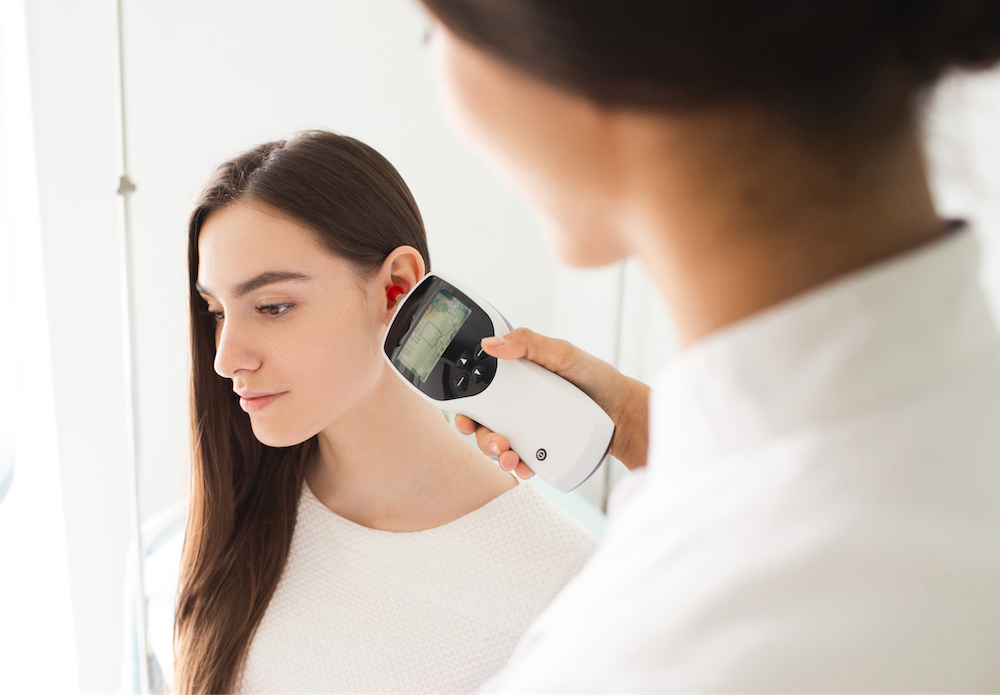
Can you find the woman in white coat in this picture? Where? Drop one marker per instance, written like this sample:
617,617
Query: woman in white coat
819,506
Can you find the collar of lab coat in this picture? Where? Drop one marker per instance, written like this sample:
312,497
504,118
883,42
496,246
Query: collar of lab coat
852,346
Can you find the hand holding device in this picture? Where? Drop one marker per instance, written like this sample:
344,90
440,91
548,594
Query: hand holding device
624,399
433,344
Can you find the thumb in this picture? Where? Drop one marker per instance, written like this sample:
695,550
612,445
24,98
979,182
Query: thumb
551,353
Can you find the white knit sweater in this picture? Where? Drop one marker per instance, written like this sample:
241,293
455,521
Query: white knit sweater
359,610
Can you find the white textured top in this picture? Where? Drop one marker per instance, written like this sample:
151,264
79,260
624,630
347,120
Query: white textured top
821,508
360,610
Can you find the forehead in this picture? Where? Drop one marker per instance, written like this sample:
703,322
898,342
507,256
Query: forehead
244,239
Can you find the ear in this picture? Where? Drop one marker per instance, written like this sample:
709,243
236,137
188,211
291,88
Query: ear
403,267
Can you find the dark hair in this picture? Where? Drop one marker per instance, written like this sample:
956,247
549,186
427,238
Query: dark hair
244,494
815,60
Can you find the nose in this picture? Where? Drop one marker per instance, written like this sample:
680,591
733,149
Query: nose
234,350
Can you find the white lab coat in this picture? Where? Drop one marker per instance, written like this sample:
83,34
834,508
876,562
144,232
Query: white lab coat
821,508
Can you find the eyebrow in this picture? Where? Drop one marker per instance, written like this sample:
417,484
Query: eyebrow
255,283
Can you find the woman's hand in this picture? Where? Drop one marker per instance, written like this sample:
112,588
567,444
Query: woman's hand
625,400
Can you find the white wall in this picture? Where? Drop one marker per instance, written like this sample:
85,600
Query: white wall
37,640
70,51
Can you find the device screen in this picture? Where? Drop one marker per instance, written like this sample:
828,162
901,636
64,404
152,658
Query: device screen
433,333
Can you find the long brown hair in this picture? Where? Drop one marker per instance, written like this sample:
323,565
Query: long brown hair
244,495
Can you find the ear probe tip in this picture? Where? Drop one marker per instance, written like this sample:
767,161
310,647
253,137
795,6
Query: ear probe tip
394,292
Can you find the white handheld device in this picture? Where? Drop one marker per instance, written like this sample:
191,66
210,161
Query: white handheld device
433,344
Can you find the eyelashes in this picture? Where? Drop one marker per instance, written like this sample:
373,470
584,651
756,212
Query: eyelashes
273,310
268,310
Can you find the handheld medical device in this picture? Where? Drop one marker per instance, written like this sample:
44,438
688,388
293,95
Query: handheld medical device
433,343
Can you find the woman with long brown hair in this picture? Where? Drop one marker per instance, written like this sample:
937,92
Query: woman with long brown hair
340,535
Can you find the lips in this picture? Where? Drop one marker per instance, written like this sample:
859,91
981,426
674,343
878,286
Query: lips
256,401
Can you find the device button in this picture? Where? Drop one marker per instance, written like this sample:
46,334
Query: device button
463,361
480,353
461,381
477,375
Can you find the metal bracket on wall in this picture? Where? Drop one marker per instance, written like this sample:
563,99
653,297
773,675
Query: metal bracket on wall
125,189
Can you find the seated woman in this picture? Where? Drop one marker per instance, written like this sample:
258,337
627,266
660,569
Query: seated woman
341,536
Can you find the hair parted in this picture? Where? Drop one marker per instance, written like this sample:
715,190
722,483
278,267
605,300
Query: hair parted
244,494
817,60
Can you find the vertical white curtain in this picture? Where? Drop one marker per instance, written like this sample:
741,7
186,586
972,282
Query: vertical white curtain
37,652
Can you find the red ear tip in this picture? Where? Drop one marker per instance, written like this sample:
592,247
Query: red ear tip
394,292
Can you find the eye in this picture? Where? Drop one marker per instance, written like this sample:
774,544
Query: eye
217,316
273,309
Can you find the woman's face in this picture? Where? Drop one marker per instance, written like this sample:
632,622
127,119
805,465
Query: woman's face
297,332
552,146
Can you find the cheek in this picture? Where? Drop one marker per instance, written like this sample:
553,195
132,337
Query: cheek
496,112
476,112
455,86
582,241
327,373
337,368
545,143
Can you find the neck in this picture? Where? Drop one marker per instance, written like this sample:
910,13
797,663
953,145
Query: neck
730,215
394,463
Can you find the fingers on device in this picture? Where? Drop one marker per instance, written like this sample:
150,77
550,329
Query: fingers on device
433,343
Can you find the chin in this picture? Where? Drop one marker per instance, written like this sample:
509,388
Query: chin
276,438
582,245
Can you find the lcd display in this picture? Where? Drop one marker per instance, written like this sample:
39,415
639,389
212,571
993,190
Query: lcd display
433,333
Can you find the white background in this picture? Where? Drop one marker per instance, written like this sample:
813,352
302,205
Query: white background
204,80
